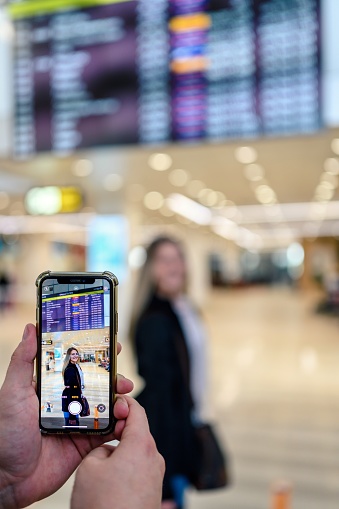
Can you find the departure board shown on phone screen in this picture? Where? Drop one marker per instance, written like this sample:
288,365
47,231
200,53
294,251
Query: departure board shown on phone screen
78,310
128,72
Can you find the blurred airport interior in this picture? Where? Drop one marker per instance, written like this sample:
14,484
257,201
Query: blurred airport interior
216,122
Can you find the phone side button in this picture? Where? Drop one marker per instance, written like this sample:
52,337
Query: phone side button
116,323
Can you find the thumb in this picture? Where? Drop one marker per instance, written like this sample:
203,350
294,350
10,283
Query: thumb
20,370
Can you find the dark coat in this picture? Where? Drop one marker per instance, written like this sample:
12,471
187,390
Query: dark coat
163,362
72,390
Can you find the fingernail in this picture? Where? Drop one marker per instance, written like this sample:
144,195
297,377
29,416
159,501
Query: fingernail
26,332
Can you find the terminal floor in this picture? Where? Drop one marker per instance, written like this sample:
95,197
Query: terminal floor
275,392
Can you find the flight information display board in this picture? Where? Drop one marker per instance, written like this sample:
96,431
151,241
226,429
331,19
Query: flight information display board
73,311
163,70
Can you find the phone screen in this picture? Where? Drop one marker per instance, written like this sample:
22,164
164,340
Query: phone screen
76,352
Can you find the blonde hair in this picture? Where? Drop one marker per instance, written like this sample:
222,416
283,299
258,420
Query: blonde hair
146,286
67,358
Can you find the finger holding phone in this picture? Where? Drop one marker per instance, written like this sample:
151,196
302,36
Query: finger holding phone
34,465
130,474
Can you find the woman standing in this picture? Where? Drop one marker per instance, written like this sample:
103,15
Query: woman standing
169,341
74,382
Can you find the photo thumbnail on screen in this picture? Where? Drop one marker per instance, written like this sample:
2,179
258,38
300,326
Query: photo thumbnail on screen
75,355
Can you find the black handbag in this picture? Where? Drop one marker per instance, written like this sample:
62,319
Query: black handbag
85,411
212,472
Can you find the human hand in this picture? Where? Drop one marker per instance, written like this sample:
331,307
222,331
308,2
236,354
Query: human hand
124,477
32,465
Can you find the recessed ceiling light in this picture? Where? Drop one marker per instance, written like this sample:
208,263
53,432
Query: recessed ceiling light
246,155
160,161
178,177
153,200
265,194
335,146
208,197
331,165
165,211
254,172
221,200
324,192
82,168
331,179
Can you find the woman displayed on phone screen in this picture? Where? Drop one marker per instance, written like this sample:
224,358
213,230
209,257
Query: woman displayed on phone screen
74,383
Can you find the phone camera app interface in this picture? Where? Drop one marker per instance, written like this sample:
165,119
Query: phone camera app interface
75,353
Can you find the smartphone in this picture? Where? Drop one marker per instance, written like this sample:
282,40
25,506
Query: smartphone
77,325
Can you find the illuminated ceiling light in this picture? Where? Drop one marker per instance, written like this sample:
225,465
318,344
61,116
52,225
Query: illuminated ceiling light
82,168
331,166
335,146
273,211
137,257
153,200
318,211
4,200
188,208
230,210
325,185
330,179
248,239
226,231
254,172
178,177
221,200
113,182
246,155
265,194
224,227
194,187
165,211
43,200
208,197
160,162
324,191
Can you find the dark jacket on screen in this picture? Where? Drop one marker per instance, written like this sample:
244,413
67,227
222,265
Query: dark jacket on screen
163,363
72,390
